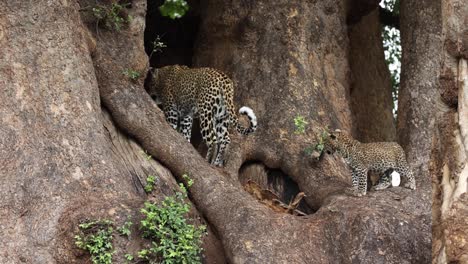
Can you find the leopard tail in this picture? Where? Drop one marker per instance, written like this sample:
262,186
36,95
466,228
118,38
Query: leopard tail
245,110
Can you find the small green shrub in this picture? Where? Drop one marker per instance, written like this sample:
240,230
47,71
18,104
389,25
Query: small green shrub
174,8
173,239
320,146
96,237
317,149
188,180
124,230
300,124
150,182
129,257
132,74
112,16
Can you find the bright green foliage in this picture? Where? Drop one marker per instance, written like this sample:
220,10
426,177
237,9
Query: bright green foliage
173,239
124,230
129,257
112,15
300,124
144,254
132,74
188,180
320,146
96,237
150,182
174,8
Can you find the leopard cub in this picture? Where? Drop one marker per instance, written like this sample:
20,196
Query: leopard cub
379,157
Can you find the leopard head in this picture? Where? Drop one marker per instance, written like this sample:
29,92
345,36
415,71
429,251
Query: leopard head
157,78
339,141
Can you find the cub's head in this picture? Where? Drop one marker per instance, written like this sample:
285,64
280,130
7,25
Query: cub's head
339,141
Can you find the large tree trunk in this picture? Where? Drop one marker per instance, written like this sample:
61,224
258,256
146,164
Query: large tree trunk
449,156
61,162
309,76
370,82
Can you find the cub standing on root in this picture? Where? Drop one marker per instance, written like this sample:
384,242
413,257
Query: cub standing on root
200,92
363,157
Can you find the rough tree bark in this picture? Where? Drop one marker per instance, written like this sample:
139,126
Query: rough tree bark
307,77
373,120
54,155
288,58
449,156
62,161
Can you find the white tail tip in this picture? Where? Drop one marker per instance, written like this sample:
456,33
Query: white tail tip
250,113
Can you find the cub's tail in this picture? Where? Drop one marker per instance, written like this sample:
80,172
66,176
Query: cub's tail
252,120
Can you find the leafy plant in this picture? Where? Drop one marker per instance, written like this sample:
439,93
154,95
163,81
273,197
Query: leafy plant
188,180
300,124
129,257
317,149
150,182
132,74
174,8
96,237
124,230
320,146
173,239
112,16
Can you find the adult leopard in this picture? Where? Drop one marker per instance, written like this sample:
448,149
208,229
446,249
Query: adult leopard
187,93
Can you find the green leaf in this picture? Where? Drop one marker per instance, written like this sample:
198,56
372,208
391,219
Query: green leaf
174,8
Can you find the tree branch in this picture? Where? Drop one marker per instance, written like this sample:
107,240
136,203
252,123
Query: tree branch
250,232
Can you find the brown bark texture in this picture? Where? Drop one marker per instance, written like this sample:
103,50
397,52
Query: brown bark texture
370,82
60,162
308,77
449,156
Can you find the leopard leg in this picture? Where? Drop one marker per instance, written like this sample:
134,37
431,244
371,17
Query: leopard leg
207,132
355,179
223,139
405,172
410,181
384,181
172,115
360,181
186,126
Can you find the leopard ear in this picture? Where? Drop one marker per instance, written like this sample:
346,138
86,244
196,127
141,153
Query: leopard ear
332,136
337,130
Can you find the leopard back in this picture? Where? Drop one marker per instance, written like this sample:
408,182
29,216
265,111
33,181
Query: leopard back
203,93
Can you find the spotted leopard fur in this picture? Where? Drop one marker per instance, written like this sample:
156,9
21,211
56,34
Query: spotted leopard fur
380,157
205,93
